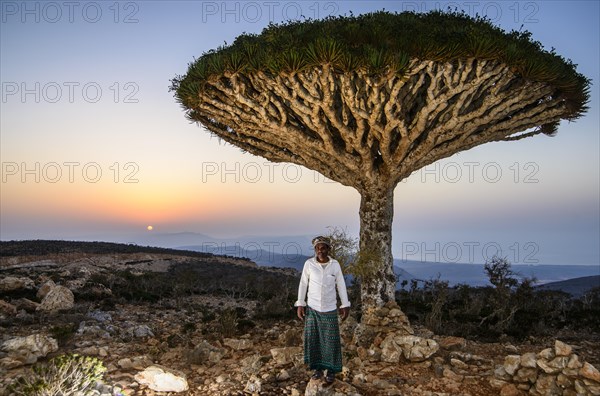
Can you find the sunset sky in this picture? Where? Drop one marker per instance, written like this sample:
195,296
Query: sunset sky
94,146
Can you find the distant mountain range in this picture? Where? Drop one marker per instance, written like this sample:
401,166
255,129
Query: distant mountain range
454,273
576,287
271,259
292,252
474,274
573,279
284,245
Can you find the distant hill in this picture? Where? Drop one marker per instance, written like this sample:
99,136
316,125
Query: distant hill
271,259
44,247
261,257
474,274
224,246
454,273
470,274
292,250
577,287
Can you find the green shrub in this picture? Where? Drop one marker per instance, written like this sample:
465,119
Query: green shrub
277,306
512,307
64,375
228,321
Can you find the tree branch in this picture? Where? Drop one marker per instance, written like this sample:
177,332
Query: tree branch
360,130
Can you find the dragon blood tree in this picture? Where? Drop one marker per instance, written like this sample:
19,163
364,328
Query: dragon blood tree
367,100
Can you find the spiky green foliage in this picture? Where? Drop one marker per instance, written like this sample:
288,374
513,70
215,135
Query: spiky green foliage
381,43
64,375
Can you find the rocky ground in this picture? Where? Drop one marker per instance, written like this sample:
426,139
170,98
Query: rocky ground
211,344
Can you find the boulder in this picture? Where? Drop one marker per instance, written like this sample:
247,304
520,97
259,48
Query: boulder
28,349
563,381
143,331
11,283
590,372
511,363
161,379
45,289
562,349
252,364
204,353
100,316
26,304
546,385
253,386
574,362
529,360
238,345
287,355
390,351
7,309
554,366
547,354
283,375
452,343
413,348
592,387
338,388
57,299
417,349
526,374
137,363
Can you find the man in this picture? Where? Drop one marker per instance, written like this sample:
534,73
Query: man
321,276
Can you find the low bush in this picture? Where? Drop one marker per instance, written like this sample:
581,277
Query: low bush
511,307
64,375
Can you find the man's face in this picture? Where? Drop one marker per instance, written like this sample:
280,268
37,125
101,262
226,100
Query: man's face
322,250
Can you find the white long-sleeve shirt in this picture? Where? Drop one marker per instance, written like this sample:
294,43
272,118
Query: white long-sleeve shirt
321,282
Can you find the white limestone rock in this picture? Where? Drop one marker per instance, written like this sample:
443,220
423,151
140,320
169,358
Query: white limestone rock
29,349
161,379
57,299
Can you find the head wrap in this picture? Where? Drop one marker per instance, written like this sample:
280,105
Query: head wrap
321,239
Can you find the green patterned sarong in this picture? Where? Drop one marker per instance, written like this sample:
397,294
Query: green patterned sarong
322,346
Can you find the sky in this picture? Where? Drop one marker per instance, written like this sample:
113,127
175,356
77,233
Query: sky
94,146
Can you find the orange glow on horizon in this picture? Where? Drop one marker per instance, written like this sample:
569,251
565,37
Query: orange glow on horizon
174,202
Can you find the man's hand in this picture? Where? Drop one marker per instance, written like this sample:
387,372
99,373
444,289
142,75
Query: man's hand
344,312
301,313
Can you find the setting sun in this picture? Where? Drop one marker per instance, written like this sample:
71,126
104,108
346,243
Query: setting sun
149,228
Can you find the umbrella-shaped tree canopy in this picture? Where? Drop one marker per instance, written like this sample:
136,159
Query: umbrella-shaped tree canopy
367,100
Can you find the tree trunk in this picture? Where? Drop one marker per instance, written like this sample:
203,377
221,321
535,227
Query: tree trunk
376,215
